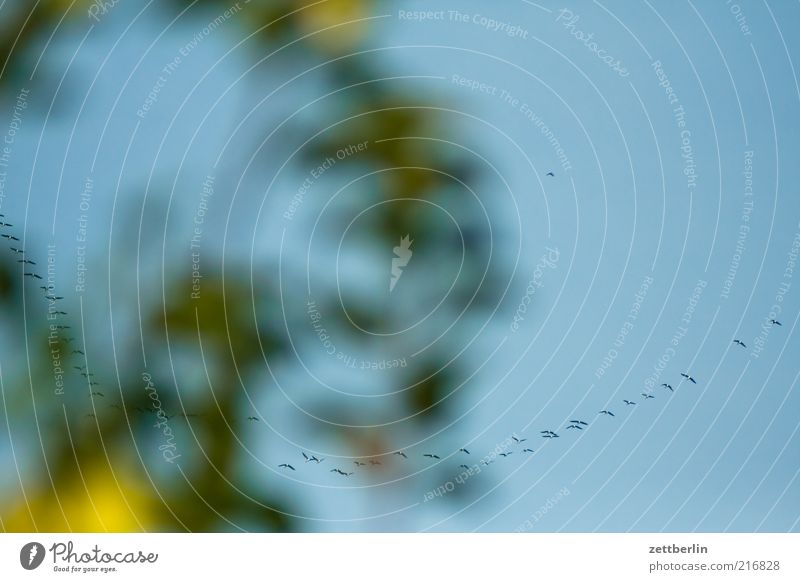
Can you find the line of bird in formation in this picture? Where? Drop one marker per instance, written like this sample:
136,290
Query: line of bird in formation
573,424
49,294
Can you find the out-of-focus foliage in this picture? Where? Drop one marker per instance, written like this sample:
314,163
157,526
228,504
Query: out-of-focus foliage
93,475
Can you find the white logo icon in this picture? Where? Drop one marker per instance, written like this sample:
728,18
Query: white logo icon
402,257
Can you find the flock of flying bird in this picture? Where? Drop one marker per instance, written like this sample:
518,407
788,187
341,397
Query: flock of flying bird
573,424
49,294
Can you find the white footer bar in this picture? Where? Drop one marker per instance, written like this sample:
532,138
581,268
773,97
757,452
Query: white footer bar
415,557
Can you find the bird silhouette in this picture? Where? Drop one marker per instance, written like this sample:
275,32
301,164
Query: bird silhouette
401,453
286,466
429,455
463,467
528,451
739,342
646,395
78,352
775,322
579,422
252,418
579,427
629,403
9,237
462,450
358,464
97,394
551,174
516,440
25,262
505,454
688,377
19,251
34,275
668,386
606,412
